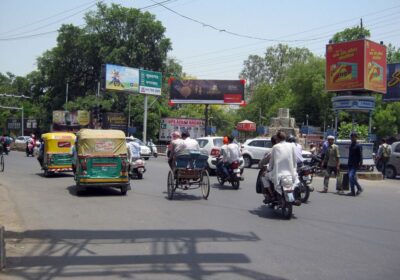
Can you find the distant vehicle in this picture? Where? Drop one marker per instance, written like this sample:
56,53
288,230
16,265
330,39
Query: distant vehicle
20,142
212,145
253,150
145,151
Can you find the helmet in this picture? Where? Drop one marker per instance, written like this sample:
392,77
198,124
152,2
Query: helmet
291,139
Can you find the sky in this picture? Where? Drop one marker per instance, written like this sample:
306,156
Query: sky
204,44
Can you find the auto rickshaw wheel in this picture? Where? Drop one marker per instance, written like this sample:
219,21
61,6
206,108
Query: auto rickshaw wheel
124,190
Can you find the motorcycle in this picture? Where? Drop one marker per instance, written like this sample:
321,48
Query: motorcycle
305,174
29,149
284,196
137,168
234,177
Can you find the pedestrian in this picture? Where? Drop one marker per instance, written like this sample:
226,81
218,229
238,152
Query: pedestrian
384,153
330,162
354,162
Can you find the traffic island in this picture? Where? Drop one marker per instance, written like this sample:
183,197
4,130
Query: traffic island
373,176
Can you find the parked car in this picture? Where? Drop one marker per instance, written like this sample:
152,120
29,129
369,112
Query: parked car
212,145
253,150
393,165
145,151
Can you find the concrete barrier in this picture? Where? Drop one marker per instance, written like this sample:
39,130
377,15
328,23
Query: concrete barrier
2,248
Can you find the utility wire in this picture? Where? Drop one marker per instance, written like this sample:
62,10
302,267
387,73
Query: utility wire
45,19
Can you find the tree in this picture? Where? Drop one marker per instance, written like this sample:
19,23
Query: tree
114,35
273,66
392,54
350,34
346,128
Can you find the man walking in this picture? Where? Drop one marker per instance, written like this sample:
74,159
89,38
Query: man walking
354,162
384,152
331,161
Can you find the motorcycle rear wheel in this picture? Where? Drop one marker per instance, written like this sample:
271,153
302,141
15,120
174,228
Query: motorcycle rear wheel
304,193
235,184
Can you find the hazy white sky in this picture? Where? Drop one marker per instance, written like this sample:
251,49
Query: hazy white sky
202,51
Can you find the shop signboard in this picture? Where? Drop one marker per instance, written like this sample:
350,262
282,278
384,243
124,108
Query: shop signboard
194,126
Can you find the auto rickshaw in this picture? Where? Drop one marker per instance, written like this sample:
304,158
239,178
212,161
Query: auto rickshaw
101,160
55,155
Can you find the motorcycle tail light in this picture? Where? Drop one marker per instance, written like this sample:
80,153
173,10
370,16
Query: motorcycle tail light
235,165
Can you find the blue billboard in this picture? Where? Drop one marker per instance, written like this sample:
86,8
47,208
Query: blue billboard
393,82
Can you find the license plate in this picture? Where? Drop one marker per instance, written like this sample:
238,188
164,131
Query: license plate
236,170
307,178
141,169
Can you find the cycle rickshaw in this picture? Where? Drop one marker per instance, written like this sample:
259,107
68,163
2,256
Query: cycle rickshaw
189,173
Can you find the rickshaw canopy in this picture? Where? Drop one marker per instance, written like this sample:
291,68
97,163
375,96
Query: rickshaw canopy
58,142
98,142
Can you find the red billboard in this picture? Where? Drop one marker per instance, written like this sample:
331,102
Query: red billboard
356,65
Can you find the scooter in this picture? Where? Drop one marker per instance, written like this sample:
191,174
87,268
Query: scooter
234,177
284,196
137,168
29,149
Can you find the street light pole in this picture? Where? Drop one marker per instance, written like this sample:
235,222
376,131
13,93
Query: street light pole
66,97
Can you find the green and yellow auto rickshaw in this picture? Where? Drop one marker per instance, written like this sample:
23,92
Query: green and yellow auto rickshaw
55,152
100,159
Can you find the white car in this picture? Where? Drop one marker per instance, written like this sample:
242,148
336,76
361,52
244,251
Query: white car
212,145
145,151
253,150
20,142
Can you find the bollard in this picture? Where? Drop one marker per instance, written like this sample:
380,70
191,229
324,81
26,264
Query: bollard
2,249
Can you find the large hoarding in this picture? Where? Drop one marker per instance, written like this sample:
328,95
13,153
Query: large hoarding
131,80
356,65
393,82
207,91
121,78
66,120
168,125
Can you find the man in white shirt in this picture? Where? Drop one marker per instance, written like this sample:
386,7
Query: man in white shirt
176,146
133,149
232,154
189,143
283,160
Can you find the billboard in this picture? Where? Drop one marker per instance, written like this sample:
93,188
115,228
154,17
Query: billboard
15,124
168,125
115,121
150,82
393,82
121,78
207,91
70,120
356,65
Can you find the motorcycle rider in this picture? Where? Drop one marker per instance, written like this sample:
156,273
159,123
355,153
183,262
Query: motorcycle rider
223,155
299,150
232,154
283,160
133,150
267,190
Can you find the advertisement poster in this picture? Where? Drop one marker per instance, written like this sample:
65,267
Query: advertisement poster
345,66
121,78
356,65
168,125
207,91
375,63
115,121
66,120
393,83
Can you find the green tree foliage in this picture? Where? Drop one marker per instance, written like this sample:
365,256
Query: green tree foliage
350,34
392,54
346,128
273,66
113,34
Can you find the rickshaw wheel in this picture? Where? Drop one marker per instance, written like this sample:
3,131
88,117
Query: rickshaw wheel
171,185
205,184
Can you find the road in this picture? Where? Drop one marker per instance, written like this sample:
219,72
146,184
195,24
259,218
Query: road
102,235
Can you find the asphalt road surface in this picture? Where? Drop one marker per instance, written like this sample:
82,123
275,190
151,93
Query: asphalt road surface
103,235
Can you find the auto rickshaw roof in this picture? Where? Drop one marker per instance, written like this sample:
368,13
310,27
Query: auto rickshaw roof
58,136
100,134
